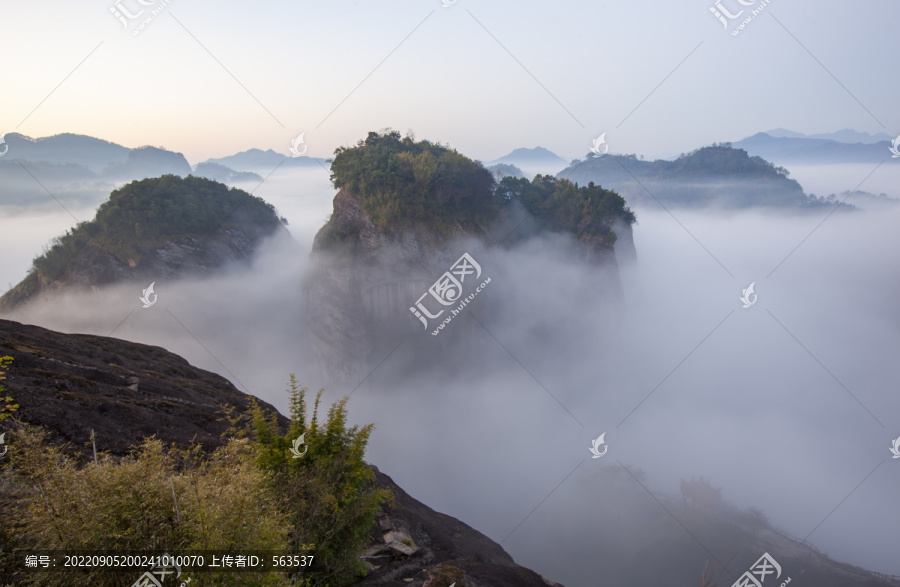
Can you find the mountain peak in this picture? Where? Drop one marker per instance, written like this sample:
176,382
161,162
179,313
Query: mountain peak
535,155
151,228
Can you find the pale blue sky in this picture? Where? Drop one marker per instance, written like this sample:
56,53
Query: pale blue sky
485,78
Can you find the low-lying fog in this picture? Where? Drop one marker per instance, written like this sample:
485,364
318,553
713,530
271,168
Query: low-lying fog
823,180
788,406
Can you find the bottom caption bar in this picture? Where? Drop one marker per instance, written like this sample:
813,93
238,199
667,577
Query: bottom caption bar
158,568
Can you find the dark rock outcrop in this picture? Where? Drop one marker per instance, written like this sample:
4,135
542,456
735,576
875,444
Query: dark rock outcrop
74,383
416,546
71,384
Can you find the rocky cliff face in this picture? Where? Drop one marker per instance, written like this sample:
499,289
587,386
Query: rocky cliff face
412,545
625,250
363,288
74,383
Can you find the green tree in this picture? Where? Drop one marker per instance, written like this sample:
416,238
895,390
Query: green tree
328,493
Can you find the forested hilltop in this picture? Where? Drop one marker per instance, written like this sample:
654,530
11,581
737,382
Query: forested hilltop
402,183
149,227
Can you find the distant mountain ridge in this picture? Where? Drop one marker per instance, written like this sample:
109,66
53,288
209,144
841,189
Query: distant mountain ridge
223,174
102,158
501,170
847,135
73,166
794,148
719,175
92,153
255,160
536,160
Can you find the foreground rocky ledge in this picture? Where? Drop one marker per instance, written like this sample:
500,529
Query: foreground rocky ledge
125,391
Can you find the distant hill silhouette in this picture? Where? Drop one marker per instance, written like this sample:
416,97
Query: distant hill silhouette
76,167
89,152
538,160
718,175
817,151
149,162
224,174
847,135
501,170
257,160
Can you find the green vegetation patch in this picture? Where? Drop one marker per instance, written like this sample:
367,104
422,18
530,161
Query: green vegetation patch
251,494
151,211
401,182
560,205
8,406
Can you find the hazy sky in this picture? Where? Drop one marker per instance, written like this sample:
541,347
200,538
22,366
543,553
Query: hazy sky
209,79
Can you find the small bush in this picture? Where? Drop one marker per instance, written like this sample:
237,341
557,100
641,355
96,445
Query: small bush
328,494
143,502
8,407
247,495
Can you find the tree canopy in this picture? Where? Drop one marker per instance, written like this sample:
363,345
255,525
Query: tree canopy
150,211
401,182
563,206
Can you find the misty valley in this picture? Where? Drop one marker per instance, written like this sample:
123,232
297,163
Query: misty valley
401,365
